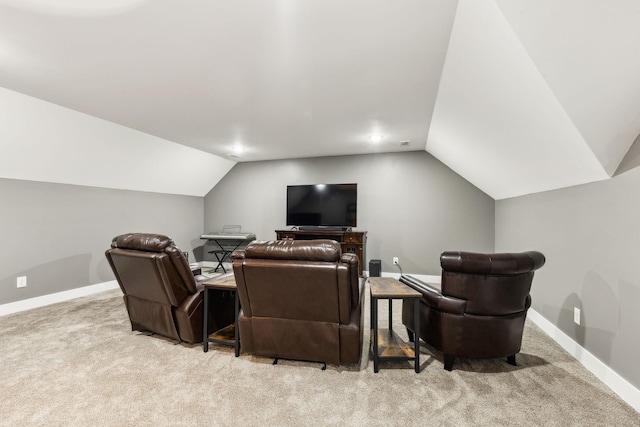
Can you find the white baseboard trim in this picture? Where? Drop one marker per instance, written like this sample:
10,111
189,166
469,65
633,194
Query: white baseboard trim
613,380
28,304
208,264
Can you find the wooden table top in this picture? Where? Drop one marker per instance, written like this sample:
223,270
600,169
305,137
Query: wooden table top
225,281
388,287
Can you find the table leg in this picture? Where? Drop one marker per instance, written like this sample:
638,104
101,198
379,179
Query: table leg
237,332
238,244
374,320
205,321
225,253
416,338
371,311
390,314
220,259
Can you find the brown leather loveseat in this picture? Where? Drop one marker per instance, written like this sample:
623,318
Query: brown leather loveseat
300,300
480,310
160,292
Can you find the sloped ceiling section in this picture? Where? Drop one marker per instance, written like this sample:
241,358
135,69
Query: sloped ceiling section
588,52
282,78
631,160
516,96
496,122
535,96
46,142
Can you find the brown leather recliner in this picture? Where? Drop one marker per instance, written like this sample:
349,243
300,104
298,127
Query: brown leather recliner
160,291
479,312
301,300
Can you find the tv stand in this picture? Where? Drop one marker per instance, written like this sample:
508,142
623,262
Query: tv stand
353,242
320,228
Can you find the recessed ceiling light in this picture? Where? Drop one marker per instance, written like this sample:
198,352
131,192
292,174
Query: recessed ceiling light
376,137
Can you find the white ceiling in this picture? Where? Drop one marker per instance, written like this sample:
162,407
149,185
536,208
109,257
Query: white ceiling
517,96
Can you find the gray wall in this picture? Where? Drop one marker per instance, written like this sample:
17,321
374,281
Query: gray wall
56,234
590,235
412,205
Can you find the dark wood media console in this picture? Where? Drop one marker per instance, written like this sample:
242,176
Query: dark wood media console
353,242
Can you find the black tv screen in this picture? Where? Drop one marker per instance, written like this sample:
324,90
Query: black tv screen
322,205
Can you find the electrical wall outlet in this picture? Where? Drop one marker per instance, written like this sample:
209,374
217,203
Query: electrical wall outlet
576,315
21,282
395,260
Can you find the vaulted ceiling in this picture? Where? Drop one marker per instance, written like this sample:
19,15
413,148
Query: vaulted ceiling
516,96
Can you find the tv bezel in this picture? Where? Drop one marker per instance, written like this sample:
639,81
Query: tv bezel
324,226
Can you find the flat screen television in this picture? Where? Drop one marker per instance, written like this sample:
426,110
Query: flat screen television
322,205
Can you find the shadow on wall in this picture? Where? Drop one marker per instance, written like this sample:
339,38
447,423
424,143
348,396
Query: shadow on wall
631,160
598,328
565,319
54,276
627,338
198,250
104,271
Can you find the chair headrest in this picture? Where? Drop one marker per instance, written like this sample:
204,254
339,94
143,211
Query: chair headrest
503,263
305,250
142,242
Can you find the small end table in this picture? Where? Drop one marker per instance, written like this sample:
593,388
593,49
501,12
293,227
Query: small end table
229,334
387,345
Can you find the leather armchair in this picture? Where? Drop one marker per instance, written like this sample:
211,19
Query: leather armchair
300,300
480,309
160,292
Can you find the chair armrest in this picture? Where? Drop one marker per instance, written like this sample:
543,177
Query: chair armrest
434,298
352,261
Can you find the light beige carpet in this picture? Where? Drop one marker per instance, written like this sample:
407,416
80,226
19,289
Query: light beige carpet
78,364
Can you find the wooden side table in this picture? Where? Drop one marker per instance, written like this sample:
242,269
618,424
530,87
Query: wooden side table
229,334
387,345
